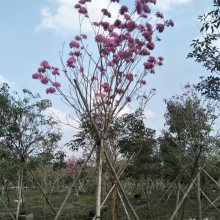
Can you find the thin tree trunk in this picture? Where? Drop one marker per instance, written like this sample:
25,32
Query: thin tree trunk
177,192
123,204
20,183
114,206
99,179
7,194
3,192
44,189
199,197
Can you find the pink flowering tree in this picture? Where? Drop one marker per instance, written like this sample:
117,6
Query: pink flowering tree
102,81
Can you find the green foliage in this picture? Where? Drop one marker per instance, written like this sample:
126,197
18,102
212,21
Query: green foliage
187,140
25,127
207,52
135,139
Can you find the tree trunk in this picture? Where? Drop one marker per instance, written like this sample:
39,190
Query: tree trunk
199,197
7,194
3,192
114,205
20,186
177,192
99,179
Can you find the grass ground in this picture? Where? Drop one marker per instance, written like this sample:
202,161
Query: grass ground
78,208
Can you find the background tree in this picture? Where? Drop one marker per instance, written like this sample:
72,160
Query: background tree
26,127
26,130
188,139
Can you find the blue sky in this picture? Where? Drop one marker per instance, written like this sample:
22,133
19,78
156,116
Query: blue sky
34,30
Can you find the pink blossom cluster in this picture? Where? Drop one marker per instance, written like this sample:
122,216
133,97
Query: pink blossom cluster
122,44
42,76
126,47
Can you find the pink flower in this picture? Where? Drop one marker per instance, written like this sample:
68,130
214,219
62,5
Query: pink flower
130,76
131,25
108,102
123,9
160,58
152,59
78,38
146,9
116,103
111,28
55,71
98,121
106,87
106,12
56,84
111,63
82,2
160,27
94,78
105,25
153,1
152,71
96,24
118,23
41,69
37,76
160,63
147,35
102,69
144,52
149,27
50,90
169,23
100,38
148,65
74,44
71,62
139,6
84,36
150,45
127,17
159,15
158,39
81,69
120,91
101,95
44,80
83,11
128,98
45,64
143,82
77,53
121,53
77,6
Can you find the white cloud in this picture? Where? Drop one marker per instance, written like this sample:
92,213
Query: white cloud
125,110
65,19
166,5
3,80
149,114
